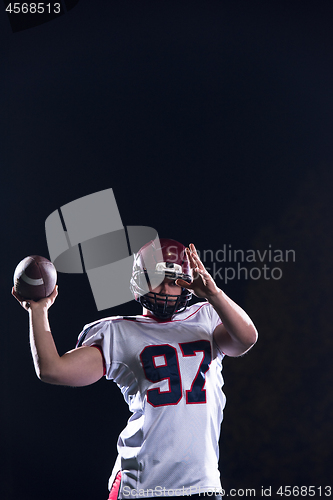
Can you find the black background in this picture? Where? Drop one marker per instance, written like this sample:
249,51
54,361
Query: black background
212,122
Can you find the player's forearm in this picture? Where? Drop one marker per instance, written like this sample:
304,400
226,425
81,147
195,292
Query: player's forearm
235,320
43,349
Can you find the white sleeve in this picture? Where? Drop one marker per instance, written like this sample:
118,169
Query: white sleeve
214,317
97,334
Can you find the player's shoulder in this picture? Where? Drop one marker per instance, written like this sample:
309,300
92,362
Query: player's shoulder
104,322
198,306
195,309
100,327
203,304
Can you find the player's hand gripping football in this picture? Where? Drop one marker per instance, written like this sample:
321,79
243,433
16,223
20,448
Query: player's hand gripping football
202,284
32,304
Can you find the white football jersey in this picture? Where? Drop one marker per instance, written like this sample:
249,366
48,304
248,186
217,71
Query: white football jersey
169,373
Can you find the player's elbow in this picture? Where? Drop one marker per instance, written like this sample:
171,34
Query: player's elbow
48,378
48,374
250,339
253,335
45,377
242,345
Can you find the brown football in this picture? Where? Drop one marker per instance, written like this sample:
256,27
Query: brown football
35,278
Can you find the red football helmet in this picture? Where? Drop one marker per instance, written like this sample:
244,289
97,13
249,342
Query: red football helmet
156,260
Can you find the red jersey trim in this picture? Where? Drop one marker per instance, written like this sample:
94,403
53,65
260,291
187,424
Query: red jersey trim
115,487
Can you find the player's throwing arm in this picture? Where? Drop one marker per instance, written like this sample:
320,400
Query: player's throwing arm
50,367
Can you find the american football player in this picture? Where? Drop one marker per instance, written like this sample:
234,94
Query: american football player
167,363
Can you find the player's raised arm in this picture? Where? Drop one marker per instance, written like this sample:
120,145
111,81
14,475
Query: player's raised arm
79,367
237,334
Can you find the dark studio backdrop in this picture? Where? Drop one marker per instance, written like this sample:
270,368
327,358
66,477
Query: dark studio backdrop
212,122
